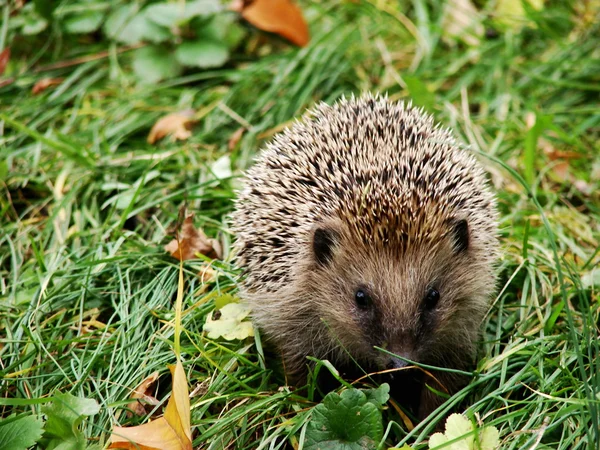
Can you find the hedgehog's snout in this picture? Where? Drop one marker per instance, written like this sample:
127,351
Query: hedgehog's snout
396,363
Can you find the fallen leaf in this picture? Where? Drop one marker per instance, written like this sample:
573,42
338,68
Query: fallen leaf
221,168
465,436
192,241
207,274
235,138
281,17
170,432
462,22
583,187
176,124
4,57
230,323
141,395
561,170
512,14
44,84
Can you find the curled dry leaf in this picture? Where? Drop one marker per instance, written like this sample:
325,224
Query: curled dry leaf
277,16
176,124
192,241
44,84
142,395
4,57
235,138
170,432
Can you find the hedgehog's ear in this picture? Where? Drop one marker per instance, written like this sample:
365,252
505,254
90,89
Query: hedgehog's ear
324,240
460,235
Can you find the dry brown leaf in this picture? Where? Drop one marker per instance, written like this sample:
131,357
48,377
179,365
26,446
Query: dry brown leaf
561,170
176,124
142,395
563,154
277,16
207,274
192,241
170,432
4,57
44,84
235,138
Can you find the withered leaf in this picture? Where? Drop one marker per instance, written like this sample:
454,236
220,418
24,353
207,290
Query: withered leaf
142,395
192,241
43,84
170,432
4,57
235,138
176,124
278,16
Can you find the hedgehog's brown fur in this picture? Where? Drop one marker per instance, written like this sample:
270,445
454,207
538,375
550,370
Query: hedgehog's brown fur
368,193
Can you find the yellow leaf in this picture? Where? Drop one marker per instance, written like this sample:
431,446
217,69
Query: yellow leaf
170,432
512,14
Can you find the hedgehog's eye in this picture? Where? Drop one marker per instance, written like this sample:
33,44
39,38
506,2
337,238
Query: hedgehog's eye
362,299
432,298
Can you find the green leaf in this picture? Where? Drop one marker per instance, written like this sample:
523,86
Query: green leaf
118,19
203,53
153,63
230,324
139,28
64,414
172,14
345,422
20,433
83,22
34,25
221,28
419,92
378,396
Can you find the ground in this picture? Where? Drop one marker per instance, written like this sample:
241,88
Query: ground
87,290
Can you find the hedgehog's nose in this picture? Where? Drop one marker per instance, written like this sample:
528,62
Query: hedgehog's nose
396,363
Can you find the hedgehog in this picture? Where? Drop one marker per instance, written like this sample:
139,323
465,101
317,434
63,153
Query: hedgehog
367,236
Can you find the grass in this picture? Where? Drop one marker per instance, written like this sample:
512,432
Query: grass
87,291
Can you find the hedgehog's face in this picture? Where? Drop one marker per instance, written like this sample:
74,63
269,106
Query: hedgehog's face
424,304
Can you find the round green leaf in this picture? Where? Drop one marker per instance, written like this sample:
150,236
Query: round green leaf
83,22
152,64
345,422
34,25
117,20
130,27
203,53
172,14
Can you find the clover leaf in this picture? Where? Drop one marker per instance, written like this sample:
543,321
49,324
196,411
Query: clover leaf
347,421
